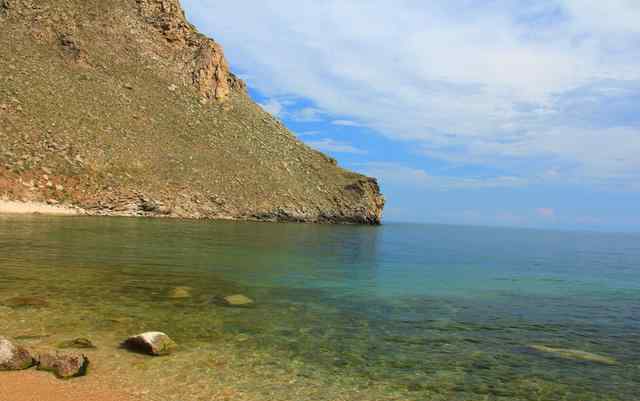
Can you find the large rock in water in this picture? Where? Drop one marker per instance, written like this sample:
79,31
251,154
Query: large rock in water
128,110
13,356
236,300
63,365
152,343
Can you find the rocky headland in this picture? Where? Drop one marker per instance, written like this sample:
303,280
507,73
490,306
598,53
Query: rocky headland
124,108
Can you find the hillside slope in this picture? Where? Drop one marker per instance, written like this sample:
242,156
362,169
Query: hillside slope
121,107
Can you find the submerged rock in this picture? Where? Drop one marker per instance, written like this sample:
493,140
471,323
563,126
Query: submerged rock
237,300
575,354
64,366
79,343
180,293
151,343
13,356
25,302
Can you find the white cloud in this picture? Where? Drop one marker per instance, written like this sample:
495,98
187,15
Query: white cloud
398,174
307,114
581,155
287,107
346,123
308,133
273,106
618,17
475,83
330,145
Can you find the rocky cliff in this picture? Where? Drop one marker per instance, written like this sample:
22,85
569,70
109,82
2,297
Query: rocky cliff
122,107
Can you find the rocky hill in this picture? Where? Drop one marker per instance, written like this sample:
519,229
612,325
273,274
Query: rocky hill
122,107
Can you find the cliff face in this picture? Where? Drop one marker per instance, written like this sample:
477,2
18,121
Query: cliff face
122,108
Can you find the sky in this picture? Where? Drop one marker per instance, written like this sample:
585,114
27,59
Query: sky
494,112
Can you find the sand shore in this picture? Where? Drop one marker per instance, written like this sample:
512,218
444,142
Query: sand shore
14,207
31,385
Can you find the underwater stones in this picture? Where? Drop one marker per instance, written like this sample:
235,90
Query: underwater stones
152,343
180,293
64,366
25,302
14,357
79,343
237,300
575,354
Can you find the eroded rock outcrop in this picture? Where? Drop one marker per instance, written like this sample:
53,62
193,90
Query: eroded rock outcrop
210,72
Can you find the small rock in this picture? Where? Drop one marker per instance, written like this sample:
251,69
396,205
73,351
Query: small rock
237,300
172,88
151,343
180,292
25,302
52,202
79,343
128,86
59,188
14,357
147,205
64,366
164,210
46,170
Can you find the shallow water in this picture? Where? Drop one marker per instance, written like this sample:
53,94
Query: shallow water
399,312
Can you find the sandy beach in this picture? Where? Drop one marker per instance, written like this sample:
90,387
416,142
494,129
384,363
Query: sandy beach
14,207
31,385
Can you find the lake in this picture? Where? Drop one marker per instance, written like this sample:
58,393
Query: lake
397,312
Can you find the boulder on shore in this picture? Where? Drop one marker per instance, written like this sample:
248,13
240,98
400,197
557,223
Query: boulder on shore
64,366
151,343
14,357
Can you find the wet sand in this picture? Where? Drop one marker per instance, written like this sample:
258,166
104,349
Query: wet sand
31,385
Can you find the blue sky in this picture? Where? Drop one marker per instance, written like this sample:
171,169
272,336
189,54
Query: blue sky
496,112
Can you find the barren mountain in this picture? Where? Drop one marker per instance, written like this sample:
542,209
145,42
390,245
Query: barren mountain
122,107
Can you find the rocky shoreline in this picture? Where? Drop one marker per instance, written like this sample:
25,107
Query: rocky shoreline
63,370
67,365
139,207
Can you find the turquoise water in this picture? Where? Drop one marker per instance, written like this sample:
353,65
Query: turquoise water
415,312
